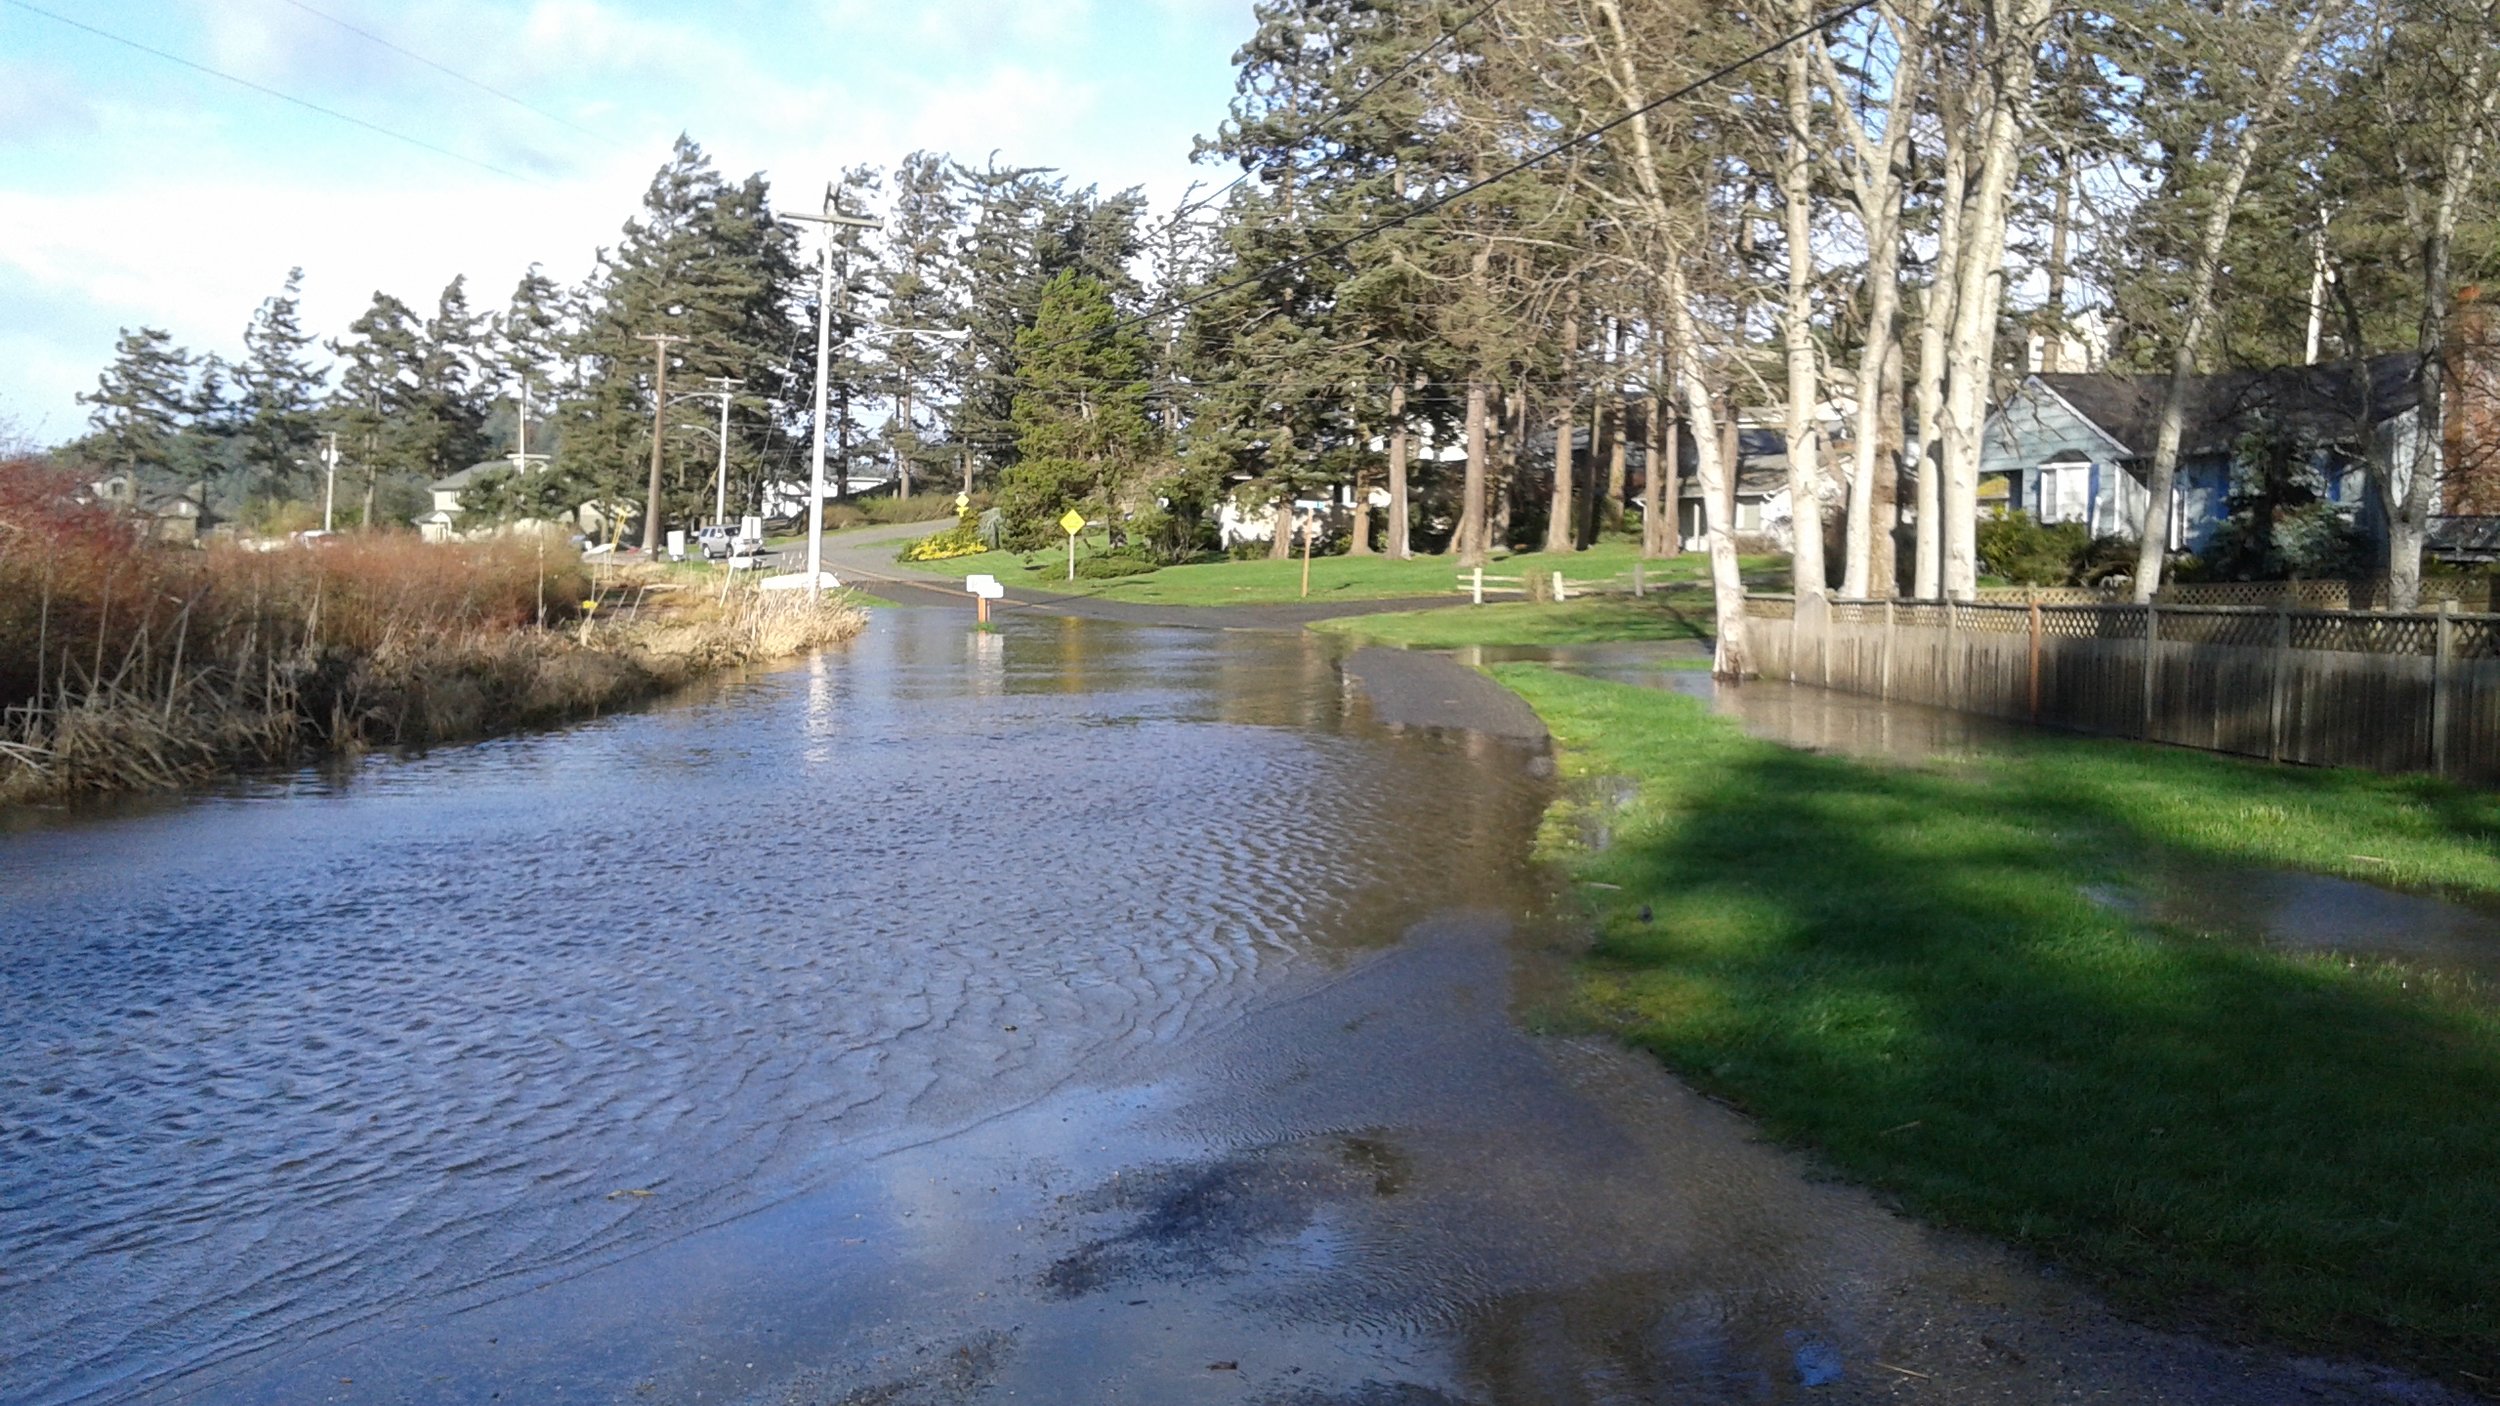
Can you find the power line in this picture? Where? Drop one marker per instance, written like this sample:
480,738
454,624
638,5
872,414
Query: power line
266,91
453,73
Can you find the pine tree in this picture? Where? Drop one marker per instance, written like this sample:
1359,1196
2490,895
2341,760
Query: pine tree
1080,413
916,282
447,407
526,347
140,402
280,395
706,261
374,408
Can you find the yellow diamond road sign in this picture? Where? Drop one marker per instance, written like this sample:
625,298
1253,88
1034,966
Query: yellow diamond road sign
1072,523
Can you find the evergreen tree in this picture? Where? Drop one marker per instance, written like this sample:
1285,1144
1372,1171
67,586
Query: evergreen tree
1080,413
140,402
280,396
526,347
374,408
705,261
208,453
447,408
916,283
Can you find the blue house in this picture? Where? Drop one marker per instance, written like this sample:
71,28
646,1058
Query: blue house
2077,447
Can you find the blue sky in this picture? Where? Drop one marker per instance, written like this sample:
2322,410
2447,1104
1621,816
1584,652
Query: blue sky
134,191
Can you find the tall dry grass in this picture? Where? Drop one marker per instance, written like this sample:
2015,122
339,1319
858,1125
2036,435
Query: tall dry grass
131,665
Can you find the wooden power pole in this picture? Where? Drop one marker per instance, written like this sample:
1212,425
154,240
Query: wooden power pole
659,420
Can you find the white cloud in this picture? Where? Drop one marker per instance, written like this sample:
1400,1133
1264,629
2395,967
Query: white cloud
102,236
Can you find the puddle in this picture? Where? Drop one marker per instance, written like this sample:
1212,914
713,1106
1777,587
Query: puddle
2316,914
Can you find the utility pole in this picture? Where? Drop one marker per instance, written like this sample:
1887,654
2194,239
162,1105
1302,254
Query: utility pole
831,219
330,484
722,386
659,419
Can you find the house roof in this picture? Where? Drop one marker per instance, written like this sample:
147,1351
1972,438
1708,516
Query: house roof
2468,538
2330,402
1761,464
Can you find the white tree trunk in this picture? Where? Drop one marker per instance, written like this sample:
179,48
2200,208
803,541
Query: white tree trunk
2014,29
1805,469
1874,177
2161,477
1935,322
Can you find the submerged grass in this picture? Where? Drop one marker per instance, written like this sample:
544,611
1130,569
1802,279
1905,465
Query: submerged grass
1901,970
1681,615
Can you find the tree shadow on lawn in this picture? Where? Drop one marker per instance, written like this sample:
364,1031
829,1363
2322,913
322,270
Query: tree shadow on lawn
1903,970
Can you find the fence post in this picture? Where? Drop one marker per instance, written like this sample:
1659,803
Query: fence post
2035,659
1952,656
1637,584
2281,682
1560,595
2443,661
1884,686
1476,590
2152,637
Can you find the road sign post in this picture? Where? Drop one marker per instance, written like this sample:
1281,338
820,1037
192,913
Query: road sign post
1072,522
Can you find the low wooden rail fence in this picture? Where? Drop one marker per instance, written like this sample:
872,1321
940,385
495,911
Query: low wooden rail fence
2416,692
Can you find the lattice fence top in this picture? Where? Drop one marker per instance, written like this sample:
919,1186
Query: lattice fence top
2236,627
2092,622
1993,619
2365,634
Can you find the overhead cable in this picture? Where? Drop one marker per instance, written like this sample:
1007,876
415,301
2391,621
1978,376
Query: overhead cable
448,71
265,90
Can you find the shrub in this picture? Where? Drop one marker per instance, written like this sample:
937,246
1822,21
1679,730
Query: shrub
1112,565
2030,553
961,540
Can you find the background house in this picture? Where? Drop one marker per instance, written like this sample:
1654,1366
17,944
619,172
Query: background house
165,514
2077,448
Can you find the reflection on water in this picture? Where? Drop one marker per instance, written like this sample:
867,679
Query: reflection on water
280,1061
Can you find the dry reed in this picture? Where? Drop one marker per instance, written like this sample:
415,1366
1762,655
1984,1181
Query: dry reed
126,665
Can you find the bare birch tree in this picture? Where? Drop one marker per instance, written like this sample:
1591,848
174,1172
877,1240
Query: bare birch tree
2240,132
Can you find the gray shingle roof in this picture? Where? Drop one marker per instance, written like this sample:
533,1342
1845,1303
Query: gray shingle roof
2328,403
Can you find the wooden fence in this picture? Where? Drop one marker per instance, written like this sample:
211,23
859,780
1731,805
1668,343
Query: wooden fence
2416,692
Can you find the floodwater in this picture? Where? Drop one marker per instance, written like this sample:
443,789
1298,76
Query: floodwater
1794,715
1082,1012
2317,914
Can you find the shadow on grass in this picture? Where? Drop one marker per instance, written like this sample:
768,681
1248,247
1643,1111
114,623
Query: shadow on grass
1902,970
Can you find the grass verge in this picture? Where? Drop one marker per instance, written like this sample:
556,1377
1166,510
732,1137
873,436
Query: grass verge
1264,582
1680,615
1900,970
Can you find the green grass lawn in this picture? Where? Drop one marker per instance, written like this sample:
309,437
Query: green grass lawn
1264,582
1682,613
1900,969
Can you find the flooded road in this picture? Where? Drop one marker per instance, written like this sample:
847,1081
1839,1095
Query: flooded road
1083,1012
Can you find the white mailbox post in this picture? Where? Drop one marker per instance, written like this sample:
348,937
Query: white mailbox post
984,589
